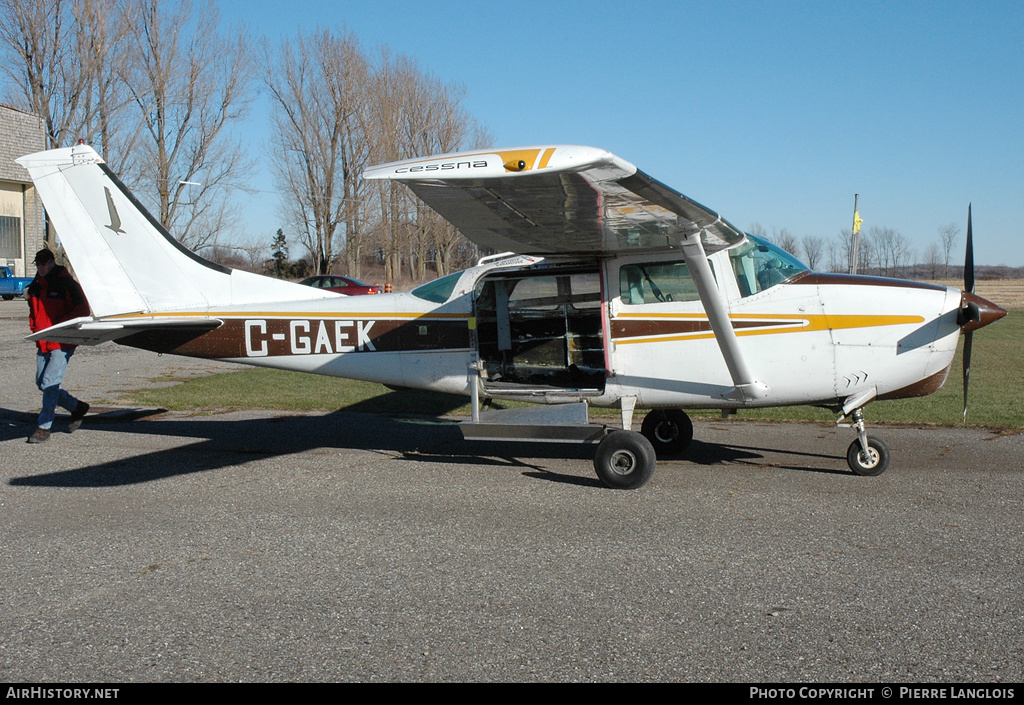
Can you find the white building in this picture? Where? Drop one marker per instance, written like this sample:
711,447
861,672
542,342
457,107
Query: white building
22,226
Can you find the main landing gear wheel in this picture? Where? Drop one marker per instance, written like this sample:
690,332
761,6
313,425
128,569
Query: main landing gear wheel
669,431
625,460
872,463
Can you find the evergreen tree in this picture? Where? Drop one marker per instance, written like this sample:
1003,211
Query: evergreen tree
280,253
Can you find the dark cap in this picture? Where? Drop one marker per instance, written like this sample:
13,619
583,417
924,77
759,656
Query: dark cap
43,256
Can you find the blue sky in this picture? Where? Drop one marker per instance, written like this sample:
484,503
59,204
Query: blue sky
768,112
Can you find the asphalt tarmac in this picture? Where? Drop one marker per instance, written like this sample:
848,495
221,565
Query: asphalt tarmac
262,546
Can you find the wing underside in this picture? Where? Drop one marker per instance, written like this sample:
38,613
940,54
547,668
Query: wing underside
558,200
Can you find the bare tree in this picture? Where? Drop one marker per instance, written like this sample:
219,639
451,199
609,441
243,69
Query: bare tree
933,260
42,62
903,253
415,114
814,250
840,251
869,258
66,59
786,240
758,230
949,234
440,124
781,238
892,248
390,83
877,237
334,111
102,32
319,86
190,84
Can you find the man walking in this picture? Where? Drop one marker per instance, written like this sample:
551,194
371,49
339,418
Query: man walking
54,297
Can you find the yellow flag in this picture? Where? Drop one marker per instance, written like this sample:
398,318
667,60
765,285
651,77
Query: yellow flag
856,222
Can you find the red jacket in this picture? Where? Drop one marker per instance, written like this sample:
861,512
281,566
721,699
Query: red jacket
53,299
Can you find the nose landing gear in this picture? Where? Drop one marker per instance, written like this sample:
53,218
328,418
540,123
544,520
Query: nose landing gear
867,455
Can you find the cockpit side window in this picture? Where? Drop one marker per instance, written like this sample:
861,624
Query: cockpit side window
760,265
439,290
654,282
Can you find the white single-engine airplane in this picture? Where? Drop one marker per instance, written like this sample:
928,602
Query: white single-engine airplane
621,293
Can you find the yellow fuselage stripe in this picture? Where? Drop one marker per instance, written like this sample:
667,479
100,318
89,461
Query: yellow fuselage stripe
772,324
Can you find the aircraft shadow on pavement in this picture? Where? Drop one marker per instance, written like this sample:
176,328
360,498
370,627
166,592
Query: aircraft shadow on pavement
228,442
716,454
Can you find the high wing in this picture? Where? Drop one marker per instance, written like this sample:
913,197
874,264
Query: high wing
558,200
574,200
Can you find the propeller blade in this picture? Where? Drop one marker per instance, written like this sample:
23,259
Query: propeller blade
969,257
968,287
968,339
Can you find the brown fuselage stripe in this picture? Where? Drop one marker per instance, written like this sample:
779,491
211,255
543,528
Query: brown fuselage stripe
269,337
827,279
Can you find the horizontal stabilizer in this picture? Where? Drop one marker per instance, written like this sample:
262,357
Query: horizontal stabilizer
88,331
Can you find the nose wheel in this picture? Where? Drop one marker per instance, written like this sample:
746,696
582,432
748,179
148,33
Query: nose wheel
867,455
870,462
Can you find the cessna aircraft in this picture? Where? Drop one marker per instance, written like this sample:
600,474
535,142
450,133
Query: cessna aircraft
617,291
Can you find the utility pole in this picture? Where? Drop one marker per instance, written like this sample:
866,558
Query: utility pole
856,235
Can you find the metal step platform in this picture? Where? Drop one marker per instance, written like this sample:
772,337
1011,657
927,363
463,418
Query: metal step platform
557,423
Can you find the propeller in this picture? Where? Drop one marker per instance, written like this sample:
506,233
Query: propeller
975,312
967,313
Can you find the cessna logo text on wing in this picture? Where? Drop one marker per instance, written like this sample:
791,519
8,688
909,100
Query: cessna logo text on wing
444,166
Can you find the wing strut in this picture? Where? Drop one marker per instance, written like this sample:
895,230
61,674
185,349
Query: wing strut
747,388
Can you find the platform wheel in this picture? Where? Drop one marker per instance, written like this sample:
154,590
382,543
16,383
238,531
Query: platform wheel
625,460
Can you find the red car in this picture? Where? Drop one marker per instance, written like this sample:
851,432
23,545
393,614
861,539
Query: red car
342,285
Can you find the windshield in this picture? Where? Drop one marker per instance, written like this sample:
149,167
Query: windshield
760,265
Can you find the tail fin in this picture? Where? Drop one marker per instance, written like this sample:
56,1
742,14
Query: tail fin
125,260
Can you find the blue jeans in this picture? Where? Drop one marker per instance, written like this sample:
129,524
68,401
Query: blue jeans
50,369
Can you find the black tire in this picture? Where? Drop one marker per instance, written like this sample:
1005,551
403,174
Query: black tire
8,297
625,460
876,462
669,431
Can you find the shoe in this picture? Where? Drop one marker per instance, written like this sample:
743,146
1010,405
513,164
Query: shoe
77,415
40,435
